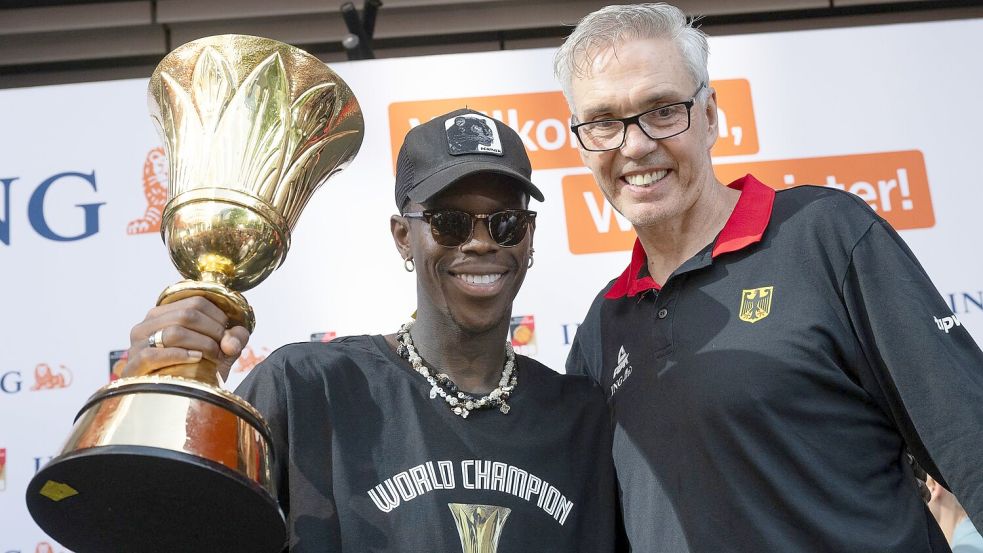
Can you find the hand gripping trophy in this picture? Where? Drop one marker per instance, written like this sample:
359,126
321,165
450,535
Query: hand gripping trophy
170,461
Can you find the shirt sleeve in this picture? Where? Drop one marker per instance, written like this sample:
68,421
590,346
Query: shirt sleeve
584,358
923,366
289,388
263,388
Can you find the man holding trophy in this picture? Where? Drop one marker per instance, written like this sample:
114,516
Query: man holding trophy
436,438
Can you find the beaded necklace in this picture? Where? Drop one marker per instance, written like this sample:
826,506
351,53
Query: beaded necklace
460,403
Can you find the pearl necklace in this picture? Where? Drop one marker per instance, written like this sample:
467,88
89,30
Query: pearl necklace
460,403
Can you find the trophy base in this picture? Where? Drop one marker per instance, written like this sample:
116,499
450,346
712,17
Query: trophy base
148,500
160,463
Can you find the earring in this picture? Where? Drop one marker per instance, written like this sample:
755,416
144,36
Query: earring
409,265
531,260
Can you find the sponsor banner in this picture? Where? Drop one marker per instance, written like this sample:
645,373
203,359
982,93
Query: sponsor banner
894,184
522,333
965,303
542,120
81,223
738,134
593,225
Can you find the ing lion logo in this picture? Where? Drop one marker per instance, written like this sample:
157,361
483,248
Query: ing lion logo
755,304
155,179
45,378
248,359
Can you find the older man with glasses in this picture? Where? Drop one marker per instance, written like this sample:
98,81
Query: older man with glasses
769,357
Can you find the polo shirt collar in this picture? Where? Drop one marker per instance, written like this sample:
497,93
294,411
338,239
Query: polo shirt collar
745,226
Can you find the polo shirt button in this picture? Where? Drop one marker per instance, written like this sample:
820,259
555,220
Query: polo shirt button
663,312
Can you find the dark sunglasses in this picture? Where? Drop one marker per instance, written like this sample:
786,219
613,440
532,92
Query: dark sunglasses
451,228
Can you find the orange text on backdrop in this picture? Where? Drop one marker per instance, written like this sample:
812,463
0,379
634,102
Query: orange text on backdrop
542,119
894,184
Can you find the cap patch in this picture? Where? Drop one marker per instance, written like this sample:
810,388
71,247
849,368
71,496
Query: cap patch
472,134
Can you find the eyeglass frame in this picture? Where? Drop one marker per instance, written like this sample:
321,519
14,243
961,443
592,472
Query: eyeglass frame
426,214
636,119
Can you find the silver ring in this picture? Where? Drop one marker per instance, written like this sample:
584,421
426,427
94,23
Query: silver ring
156,339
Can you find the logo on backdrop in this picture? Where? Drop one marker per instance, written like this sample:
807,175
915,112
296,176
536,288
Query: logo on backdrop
963,303
522,332
3,469
755,304
249,358
48,378
117,362
324,336
155,179
569,331
39,204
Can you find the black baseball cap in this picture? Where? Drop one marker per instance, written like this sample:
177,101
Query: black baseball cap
449,147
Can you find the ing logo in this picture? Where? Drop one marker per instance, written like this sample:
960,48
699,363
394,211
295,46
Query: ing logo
522,332
248,359
47,378
155,180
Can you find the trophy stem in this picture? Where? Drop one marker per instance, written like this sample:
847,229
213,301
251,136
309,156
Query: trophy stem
234,305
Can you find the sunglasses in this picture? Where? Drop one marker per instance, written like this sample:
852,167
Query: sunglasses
451,228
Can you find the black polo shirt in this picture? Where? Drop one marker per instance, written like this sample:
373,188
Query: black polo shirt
765,394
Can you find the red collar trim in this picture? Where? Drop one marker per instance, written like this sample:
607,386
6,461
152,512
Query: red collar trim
745,226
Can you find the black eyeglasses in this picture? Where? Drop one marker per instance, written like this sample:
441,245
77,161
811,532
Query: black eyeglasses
662,122
451,228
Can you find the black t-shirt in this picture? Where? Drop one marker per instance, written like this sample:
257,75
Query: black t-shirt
765,397
366,461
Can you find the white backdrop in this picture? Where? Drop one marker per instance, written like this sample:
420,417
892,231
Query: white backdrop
888,112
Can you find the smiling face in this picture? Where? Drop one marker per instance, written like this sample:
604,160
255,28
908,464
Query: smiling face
469,287
650,182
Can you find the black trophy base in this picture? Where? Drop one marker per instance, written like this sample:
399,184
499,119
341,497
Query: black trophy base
138,499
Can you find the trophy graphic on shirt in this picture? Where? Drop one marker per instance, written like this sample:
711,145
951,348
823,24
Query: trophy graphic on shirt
479,526
170,461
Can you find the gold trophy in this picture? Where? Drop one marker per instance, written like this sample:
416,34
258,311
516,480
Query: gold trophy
170,462
479,526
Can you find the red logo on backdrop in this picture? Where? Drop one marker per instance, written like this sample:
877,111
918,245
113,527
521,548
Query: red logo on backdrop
3,469
323,336
47,378
117,362
248,359
522,332
155,179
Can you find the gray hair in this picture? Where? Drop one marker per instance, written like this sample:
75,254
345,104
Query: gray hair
614,25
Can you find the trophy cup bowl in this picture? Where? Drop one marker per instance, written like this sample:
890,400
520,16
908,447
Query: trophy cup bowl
169,461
